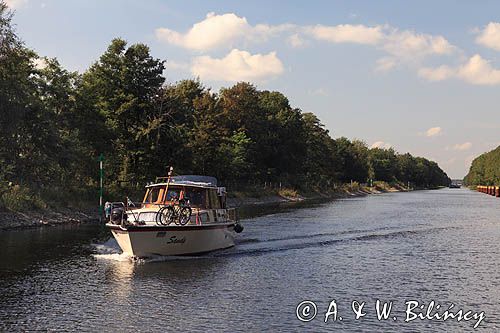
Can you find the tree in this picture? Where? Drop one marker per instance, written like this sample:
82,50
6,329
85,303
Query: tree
352,159
383,164
234,155
485,169
319,161
206,136
282,138
121,89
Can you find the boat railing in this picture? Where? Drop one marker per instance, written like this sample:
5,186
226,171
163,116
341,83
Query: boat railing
145,204
231,213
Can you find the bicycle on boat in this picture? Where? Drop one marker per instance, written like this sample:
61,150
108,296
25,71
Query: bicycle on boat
178,212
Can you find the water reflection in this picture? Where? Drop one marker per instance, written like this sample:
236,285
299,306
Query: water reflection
118,276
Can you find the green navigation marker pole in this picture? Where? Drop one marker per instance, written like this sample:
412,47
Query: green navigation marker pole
101,185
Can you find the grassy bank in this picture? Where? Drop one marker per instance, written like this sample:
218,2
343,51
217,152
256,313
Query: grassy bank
259,195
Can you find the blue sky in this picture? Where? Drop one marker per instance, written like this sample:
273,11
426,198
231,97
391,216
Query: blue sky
422,77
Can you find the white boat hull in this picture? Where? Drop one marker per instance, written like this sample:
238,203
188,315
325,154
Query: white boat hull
148,241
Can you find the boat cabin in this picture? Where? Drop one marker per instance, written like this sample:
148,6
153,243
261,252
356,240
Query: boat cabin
201,192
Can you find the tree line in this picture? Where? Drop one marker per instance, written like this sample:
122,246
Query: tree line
54,124
485,169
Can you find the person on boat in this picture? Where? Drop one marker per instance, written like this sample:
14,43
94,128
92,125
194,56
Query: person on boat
172,196
107,210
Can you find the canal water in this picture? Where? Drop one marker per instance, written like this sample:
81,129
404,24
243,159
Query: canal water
422,246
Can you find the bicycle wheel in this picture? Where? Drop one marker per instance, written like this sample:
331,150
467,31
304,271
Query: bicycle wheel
158,216
184,215
167,215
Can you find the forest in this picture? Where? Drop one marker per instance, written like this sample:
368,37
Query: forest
485,169
55,123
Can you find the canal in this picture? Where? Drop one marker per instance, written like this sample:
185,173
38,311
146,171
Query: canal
422,246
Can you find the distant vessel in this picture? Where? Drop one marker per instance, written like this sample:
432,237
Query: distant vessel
179,216
455,184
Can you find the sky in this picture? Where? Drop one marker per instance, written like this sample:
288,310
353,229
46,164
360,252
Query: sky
422,76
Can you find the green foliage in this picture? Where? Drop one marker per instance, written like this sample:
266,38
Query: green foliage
319,158
20,198
54,123
121,91
352,187
234,153
353,158
288,193
383,164
485,169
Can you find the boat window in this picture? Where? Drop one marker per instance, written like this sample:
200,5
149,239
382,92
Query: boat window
222,200
173,193
196,196
214,199
153,195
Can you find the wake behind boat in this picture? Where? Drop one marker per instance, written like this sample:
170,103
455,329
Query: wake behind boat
184,215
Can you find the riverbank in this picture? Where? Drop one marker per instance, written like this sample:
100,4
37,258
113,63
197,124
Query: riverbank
47,218
11,220
270,196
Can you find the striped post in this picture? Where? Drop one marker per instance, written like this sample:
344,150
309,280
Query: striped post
101,183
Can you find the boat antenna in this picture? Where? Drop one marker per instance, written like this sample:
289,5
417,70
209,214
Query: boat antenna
170,171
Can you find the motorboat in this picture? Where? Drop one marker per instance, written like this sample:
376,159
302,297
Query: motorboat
179,215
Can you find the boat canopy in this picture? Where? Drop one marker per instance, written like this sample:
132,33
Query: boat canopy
190,180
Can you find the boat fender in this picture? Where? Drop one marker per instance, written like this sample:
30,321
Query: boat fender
238,228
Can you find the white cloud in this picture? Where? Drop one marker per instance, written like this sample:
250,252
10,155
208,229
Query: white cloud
228,29
476,71
490,36
401,47
479,71
411,45
408,47
296,41
380,144
436,74
462,146
238,66
433,131
13,4
219,31
264,31
213,31
347,33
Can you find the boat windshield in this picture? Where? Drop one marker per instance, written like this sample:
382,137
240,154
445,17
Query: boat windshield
154,195
197,196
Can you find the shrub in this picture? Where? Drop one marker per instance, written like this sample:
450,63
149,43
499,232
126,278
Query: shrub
288,192
354,186
21,198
